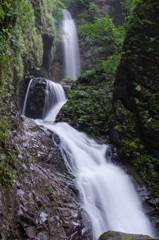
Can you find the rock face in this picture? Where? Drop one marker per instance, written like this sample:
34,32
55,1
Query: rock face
136,86
43,203
110,235
36,98
136,94
29,47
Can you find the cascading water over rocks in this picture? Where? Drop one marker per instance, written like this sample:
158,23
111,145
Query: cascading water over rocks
106,193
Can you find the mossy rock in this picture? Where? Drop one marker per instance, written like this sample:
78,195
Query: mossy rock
111,235
89,103
136,118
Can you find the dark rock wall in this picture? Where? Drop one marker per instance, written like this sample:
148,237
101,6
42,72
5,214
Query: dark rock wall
136,94
137,79
36,98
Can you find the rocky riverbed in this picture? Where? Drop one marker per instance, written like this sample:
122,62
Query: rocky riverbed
43,203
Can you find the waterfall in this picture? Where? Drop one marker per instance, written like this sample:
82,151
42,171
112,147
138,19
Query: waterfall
55,98
26,98
70,44
106,191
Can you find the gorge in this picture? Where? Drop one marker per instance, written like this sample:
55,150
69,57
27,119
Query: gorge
56,182
105,191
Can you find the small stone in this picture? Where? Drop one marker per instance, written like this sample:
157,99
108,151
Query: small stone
31,232
43,217
138,88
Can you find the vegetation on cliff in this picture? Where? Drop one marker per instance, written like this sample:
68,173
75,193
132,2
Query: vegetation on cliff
89,104
24,28
127,110
92,92
118,98
136,93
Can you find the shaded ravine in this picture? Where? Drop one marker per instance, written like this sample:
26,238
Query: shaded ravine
105,191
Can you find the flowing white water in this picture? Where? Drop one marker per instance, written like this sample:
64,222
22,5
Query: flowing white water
55,98
71,47
26,98
106,192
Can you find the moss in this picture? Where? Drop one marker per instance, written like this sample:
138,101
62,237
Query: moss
122,236
128,238
21,47
89,103
22,42
136,95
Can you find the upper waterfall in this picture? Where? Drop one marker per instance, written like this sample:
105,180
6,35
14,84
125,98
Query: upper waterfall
71,47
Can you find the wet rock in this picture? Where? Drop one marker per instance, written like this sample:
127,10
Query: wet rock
36,98
31,232
46,205
56,139
150,204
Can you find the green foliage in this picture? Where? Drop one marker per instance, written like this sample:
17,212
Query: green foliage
54,7
13,10
7,153
21,50
2,14
128,7
83,5
93,8
104,33
89,104
103,39
137,94
144,166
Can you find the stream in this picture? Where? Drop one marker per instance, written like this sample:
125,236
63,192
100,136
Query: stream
106,192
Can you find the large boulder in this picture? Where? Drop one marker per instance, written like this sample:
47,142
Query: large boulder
36,98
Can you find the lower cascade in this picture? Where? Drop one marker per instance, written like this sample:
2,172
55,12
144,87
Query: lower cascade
106,193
